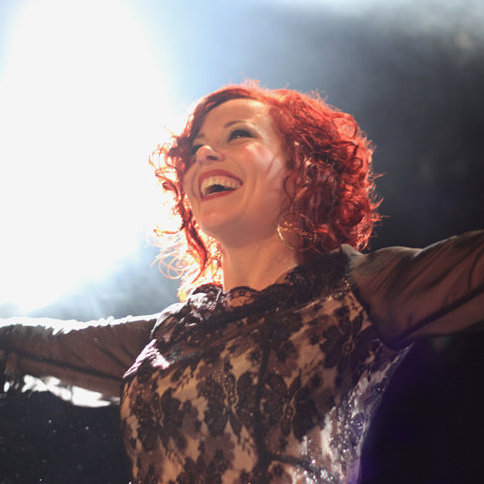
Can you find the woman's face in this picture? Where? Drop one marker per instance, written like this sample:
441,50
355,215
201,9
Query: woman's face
234,182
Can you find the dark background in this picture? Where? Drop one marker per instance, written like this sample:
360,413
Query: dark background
412,74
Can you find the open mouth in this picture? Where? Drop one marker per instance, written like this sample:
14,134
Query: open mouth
218,184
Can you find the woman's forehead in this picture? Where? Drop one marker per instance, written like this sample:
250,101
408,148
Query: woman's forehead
236,110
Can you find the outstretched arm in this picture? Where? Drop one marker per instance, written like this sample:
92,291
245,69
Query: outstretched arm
411,293
91,355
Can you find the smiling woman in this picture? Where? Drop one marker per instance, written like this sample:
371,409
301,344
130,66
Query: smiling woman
253,161
307,168
271,368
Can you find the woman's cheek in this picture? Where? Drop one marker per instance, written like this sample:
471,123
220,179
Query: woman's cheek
187,185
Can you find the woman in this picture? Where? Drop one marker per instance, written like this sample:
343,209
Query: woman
271,368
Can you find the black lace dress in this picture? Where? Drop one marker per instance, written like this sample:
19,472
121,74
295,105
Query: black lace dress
273,386
281,385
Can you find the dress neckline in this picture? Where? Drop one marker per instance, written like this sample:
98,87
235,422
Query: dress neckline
303,282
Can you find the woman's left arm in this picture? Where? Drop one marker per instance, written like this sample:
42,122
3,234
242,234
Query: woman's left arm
412,293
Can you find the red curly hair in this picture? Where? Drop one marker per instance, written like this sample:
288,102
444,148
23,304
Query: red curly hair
330,159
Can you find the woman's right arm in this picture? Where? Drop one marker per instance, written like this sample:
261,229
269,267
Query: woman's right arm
91,355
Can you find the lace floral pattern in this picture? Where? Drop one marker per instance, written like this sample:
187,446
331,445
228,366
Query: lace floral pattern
255,387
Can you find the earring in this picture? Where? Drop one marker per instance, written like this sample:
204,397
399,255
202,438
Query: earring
296,230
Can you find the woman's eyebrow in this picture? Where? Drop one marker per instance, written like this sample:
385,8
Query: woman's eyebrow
235,121
226,125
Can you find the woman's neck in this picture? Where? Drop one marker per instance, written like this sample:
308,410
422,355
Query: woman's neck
257,265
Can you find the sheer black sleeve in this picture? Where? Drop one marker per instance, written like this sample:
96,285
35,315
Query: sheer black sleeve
91,355
412,293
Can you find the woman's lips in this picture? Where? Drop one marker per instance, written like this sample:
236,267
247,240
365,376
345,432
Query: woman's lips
217,183
217,195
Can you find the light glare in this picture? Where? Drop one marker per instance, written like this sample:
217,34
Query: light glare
83,103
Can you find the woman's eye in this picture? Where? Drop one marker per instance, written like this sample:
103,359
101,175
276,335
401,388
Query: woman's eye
239,133
194,149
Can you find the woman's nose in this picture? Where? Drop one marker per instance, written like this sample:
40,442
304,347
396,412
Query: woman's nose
206,154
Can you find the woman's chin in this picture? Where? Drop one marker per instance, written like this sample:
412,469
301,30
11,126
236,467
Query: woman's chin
218,226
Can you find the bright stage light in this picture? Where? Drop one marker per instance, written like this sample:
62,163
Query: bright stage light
83,102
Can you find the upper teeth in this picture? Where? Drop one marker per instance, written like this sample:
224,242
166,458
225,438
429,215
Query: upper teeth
227,182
